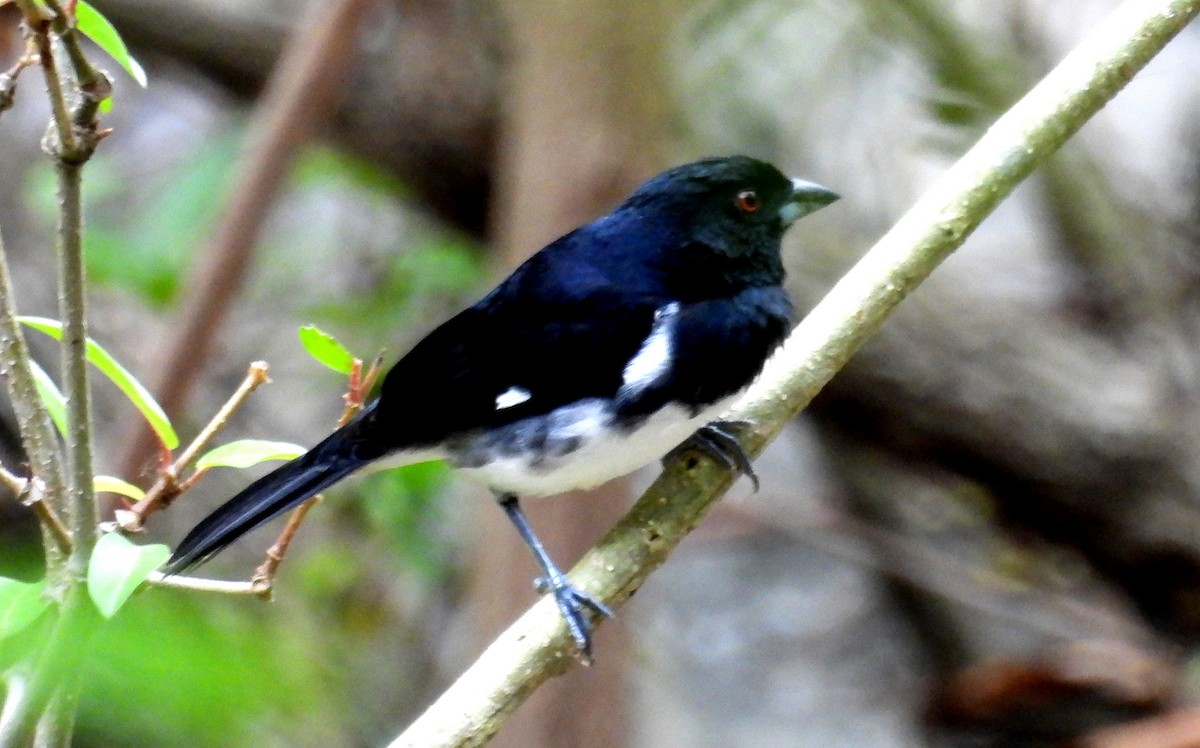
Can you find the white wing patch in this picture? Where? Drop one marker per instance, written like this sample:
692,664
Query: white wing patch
653,360
512,397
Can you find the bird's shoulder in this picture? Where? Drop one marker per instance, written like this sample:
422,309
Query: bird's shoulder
558,330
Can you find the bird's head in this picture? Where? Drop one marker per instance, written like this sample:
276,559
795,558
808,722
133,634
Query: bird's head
728,213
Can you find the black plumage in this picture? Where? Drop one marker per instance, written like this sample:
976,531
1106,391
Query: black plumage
599,354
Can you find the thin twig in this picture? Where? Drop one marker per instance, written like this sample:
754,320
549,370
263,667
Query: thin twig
38,436
263,579
264,575
8,79
168,486
39,27
76,130
198,584
93,84
50,520
538,646
33,495
256,376
31,492
13,482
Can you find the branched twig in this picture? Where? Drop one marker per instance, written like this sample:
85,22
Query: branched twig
73,138
168,485
49,707
264,576
38,24
37,431
93,84
22,711
538,646
71,142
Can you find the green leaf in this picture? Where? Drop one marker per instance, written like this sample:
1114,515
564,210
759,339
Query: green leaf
326,349
109,484
118,567
100,30
108,366
52,397
20,605
247,452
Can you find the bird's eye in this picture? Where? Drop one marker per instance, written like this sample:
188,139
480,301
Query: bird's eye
747,201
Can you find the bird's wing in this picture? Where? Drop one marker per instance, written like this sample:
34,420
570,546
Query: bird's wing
549,336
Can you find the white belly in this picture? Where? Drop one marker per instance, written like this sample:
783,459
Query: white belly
574,447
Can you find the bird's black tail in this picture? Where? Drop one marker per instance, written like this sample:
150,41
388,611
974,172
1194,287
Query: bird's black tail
269,496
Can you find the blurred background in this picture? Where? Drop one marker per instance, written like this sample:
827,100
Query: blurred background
985,532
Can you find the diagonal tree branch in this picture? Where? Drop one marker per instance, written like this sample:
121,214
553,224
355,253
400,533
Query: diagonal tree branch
537,646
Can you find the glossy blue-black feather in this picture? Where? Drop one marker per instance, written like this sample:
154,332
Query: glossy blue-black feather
695,251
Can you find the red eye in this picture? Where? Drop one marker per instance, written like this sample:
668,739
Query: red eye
747,201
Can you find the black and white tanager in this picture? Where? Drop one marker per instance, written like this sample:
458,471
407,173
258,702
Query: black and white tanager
600,354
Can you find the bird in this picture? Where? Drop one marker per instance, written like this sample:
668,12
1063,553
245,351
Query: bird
616,344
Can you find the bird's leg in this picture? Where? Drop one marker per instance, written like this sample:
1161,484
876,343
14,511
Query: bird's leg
717,440
572,601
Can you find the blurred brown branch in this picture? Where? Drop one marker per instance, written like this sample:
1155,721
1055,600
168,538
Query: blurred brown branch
424,102
302,93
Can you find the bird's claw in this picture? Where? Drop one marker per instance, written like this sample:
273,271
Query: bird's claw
717,440
573,603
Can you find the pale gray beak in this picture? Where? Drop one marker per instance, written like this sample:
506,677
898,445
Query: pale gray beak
807,197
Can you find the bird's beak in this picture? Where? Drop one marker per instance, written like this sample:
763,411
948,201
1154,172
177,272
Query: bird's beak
807,197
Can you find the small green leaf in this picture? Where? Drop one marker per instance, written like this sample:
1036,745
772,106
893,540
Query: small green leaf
326,349
109,484
52,398
118,567
20,605
108,366
100,30
247,452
